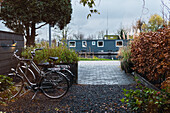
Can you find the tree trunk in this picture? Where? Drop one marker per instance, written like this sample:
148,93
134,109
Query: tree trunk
30,38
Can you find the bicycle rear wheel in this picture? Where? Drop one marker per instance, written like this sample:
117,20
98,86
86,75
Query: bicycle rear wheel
55,85
69,75
14,89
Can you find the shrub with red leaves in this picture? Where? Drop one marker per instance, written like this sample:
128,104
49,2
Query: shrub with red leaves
150,55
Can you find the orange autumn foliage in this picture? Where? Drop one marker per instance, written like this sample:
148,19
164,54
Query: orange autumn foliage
150,54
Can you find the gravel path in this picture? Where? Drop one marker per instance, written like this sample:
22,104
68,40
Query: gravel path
79,99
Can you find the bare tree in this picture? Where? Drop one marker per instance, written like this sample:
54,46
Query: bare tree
62,34
165,13
91,37
100,35
78,36
138,25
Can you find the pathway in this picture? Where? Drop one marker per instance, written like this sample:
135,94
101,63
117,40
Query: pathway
102,72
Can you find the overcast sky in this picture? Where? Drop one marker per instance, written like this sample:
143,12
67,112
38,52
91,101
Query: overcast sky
120,12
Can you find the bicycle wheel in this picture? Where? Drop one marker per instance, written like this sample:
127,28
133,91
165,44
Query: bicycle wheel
69,75
22,68
16,85
55,85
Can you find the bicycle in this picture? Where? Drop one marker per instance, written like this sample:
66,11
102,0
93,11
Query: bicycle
65,69
50,82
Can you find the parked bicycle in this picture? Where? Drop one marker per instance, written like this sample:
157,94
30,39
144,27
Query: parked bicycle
50,81
65,69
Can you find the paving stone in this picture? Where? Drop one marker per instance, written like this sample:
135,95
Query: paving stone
102,72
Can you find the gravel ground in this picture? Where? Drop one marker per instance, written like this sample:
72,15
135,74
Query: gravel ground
79,99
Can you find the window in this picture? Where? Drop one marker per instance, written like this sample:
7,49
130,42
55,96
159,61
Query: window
84,44
100,44
72,44
119,43
93,43
101,50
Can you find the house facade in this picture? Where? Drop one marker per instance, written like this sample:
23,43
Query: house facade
96,45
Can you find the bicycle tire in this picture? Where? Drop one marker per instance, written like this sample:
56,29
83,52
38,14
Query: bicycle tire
54,85
15,89
69,75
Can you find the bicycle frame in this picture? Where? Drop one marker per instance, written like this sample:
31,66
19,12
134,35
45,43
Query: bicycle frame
35,67
26,66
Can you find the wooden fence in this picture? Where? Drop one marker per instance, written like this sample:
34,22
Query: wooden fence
9,42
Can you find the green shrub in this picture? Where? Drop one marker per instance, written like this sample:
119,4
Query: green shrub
125,54
64,54
146,100
150,55
5,82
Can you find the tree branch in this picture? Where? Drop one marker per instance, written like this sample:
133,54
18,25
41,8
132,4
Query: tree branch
41,26
168,9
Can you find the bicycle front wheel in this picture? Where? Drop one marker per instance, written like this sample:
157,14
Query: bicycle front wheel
14,89
55,85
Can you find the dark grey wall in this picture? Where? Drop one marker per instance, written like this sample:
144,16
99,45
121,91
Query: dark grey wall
109,45
7,48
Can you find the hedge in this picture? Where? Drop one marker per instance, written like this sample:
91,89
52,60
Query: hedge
150,55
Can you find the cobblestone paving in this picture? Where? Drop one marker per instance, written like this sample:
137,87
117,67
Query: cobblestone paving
102,72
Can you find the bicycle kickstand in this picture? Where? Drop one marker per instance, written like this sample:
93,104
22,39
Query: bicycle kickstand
34,95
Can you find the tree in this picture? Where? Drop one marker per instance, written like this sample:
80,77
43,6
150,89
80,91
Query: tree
122,33
26,16
138,25
78,36
62,34
100,35
91,37
155,22
91,4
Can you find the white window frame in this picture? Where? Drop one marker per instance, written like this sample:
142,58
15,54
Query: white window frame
93,43
85,43
119,41
98,44
74,44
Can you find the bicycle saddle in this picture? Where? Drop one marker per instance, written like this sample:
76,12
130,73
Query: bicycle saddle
53,58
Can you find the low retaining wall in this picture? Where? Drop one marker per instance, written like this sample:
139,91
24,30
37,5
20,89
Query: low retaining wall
145,82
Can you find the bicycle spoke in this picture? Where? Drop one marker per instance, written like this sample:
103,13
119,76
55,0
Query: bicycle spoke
55,85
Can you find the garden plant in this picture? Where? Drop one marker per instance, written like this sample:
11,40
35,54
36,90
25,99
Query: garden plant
149,53
64,54
5,84
146,100
125,55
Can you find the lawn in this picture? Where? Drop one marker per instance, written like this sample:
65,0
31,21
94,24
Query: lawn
93,59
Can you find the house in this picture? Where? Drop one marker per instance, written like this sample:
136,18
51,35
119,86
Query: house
97,46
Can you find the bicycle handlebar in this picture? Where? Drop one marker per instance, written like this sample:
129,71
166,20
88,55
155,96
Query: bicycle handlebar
16,55
33,52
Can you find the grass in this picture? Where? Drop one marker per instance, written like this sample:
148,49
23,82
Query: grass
93,59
